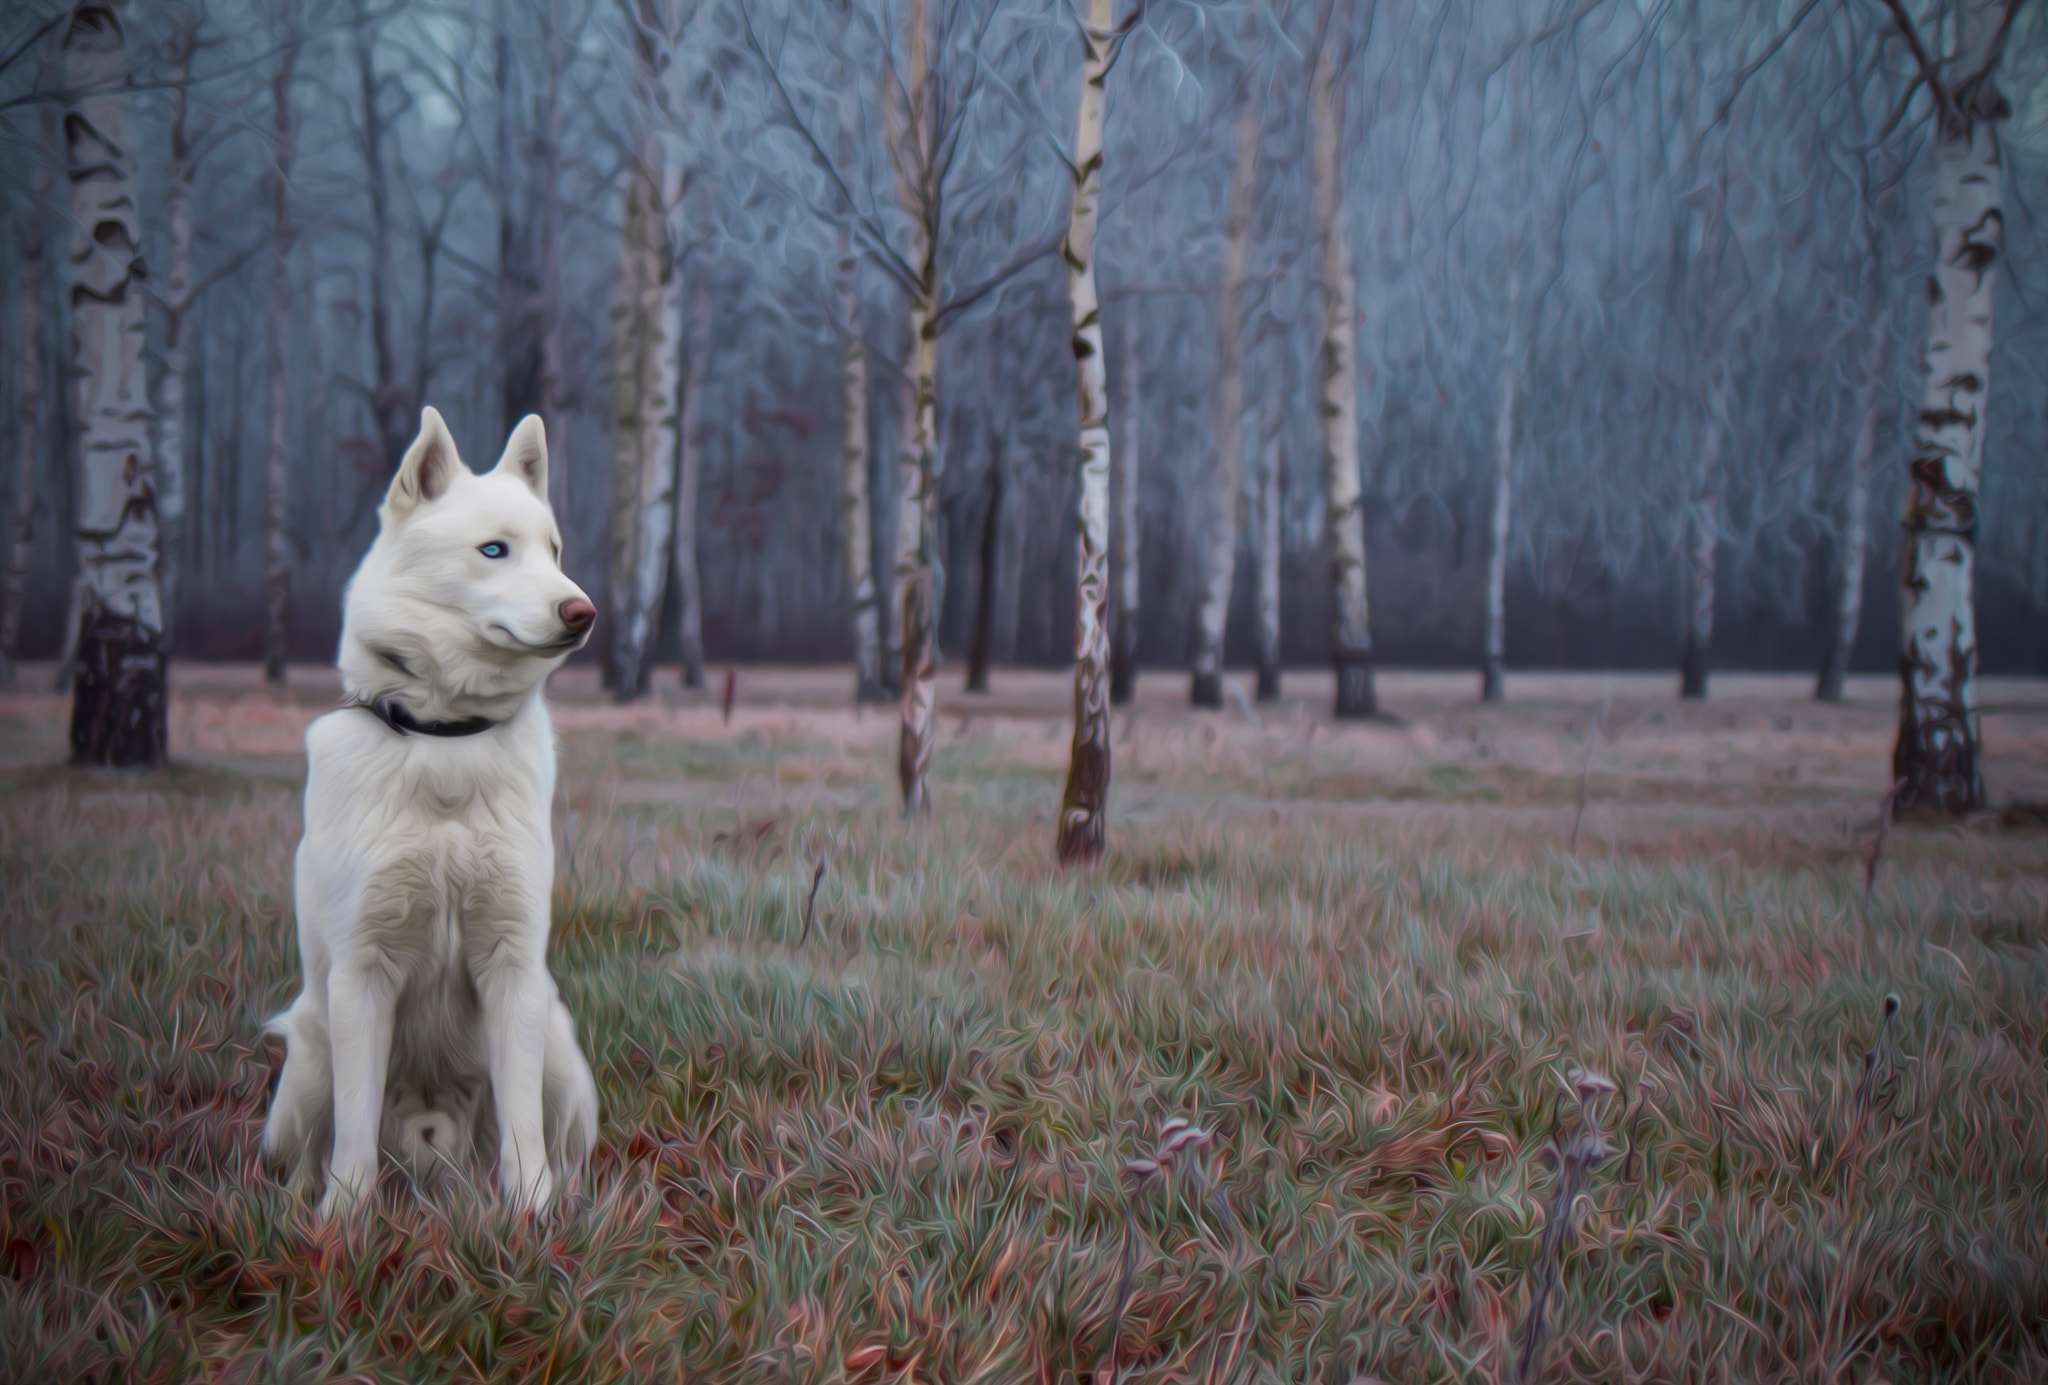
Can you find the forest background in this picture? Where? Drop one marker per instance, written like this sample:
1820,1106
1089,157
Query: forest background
1640,308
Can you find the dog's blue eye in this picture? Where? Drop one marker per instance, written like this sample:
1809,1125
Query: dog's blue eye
493,549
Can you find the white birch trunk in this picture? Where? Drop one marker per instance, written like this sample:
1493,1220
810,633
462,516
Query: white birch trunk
911,155
915,522
277,571
1219,554
1854,542
647,321
1493,671
118,696
28,412
856,538
1939,752
1269,573
1124,540
1084,807
689,469
1338,393
1702,544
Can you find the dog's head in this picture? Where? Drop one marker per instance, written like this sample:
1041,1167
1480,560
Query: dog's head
462,600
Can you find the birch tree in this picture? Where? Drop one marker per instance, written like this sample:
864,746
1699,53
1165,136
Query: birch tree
1702,541
118,693
949,170
1125,486
1338,380
1853,542
1219,558
1938,758
277,571
856,539
683,576
1268,584
981,646
549,385
1084,807
1500,520
393,406
646,365
1493,671
912,151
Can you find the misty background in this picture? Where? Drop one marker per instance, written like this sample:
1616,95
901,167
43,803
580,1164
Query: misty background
1674,225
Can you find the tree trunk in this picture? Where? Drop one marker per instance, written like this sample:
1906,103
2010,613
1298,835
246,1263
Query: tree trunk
646,324
1084,808
1939,755
1342,492
981,652
856,540
912,156
1493,671
1219,557
1123,545
1855,538
277,572
550,385
884,499
689,467
391,404
1702,540
170,500
117,710
519,290
1269,573
28,411
916,535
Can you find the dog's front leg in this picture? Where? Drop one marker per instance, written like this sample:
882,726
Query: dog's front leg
515,990
360,1003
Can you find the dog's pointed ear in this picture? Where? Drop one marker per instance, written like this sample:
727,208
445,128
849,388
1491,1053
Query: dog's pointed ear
430,465
526,454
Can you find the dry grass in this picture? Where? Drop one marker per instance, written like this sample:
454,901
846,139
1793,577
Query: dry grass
913,1147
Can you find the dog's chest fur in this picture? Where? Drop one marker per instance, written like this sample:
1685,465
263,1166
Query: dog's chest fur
440,835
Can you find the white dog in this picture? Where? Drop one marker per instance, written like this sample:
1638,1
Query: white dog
427,1018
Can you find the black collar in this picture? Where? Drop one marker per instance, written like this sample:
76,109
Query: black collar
394,715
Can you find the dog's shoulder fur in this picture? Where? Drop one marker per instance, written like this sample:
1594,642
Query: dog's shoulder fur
428,1028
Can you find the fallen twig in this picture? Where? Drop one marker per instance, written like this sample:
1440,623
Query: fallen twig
1880,1072
817,878
1575,1162
1883,839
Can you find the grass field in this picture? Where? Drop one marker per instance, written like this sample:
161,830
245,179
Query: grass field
920,1143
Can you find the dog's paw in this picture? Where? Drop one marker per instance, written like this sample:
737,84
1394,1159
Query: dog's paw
533,1196
344,1195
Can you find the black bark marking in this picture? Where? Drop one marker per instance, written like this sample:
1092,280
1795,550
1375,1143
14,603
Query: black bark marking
1943,418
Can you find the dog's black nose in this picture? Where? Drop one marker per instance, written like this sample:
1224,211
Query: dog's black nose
577,613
